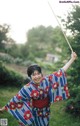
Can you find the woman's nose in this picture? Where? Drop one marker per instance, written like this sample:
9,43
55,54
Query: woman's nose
36,76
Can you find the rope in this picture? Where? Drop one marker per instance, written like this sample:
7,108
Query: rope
61,28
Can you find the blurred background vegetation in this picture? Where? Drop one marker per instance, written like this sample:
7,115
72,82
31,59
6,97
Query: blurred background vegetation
47,47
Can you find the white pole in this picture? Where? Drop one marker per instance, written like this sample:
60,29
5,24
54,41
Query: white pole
61,28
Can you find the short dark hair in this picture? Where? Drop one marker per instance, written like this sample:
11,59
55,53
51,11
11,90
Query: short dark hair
32,68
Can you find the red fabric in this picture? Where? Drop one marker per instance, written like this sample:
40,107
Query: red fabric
40,103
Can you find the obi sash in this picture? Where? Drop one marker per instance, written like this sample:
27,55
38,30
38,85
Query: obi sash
40,103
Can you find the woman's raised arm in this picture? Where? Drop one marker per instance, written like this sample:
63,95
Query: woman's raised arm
68,64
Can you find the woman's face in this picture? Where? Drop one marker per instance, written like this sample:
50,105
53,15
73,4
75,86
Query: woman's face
36,77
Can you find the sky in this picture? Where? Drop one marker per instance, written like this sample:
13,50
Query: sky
22,15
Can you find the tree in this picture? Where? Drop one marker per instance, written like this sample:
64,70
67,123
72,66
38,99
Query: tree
73,24
3,35
42,40
4,38
73,20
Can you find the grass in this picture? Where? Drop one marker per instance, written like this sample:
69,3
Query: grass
58,116
5,95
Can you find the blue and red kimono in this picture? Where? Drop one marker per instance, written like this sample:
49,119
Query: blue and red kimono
31,106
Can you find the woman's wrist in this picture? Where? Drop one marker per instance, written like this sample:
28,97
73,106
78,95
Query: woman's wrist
2,109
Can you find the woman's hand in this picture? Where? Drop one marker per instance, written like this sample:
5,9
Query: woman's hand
68,64
2,109
73,56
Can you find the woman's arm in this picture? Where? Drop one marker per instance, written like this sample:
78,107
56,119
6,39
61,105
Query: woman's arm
22,96
68,64
2,109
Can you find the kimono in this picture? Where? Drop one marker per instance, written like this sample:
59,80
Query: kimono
31,105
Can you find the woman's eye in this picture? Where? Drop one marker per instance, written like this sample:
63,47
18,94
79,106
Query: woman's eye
35,74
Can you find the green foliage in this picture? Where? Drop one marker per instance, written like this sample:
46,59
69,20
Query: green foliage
3,34
42,40
73,23
14,50
6,58
73,19
5,40
9,77
40,34
27,63
73,105
18,60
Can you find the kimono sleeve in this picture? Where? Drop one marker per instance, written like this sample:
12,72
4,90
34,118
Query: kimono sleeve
19,108
58,86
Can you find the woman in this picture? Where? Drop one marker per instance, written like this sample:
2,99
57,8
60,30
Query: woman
31,106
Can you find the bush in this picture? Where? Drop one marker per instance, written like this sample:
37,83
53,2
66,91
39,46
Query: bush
9,77
73,104
18,60
6,58
26,63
